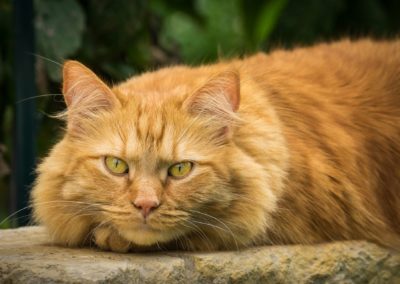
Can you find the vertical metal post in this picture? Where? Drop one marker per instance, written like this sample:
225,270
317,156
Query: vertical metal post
25,122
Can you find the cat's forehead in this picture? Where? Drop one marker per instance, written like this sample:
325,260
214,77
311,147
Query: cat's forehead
154,137
152,97
153,123
165,83
151,130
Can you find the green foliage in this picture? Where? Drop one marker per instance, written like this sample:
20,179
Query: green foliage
59,26
260,19
220,28
121,38
120,25
266,20
216,31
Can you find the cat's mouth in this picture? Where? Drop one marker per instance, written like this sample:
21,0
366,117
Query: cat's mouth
144,234
145,227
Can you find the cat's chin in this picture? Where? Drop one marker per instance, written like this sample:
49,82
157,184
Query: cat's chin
145,235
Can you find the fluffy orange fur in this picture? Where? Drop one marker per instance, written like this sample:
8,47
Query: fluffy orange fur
294,147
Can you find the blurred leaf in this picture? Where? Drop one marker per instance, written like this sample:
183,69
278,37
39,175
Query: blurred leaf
307,21
4,167
4,222
117,44
181,29
223,23
267,19
118,70
115,23
165,8
219,32
59,27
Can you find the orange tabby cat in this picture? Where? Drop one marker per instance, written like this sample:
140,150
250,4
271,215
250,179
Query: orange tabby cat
295,147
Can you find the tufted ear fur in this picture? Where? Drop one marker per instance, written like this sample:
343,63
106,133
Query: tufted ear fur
218,100
84,93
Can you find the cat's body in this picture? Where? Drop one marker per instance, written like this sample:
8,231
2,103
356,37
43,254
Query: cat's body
297,146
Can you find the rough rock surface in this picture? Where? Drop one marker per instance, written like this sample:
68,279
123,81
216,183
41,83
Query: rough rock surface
27,257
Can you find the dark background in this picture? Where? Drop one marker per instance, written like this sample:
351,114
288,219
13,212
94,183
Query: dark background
121,38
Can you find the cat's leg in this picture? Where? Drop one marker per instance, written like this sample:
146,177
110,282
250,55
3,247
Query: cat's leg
108,238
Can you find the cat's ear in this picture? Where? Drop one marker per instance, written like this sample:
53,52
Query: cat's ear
220,93
218,100
81,85
84,93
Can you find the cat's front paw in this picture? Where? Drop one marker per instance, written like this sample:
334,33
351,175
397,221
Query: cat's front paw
108,239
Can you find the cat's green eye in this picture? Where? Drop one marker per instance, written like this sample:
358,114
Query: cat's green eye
115,165
180,170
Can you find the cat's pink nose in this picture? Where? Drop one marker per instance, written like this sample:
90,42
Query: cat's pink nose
146,205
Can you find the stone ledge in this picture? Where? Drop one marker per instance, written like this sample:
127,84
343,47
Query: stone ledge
26,257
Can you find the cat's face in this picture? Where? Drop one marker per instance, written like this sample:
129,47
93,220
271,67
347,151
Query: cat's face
154,167
150,169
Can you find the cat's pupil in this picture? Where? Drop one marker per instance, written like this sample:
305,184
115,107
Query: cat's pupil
116,163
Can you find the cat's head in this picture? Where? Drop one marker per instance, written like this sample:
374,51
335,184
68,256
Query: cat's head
155,164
